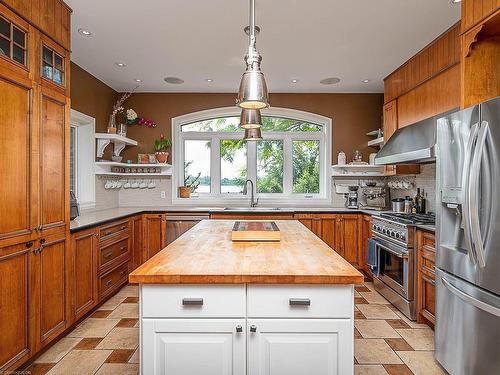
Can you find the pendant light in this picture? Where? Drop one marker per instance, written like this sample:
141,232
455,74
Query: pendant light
253,89
250,119
253,134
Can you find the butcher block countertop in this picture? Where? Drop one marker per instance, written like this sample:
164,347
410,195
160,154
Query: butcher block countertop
206,255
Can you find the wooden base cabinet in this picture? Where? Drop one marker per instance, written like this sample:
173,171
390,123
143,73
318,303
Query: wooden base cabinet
426,276
194,346
155,234
296,346
16,289
84,267
366,233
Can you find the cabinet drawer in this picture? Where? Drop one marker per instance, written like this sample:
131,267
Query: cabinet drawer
113,229
193,301
300,301
109,253
112,280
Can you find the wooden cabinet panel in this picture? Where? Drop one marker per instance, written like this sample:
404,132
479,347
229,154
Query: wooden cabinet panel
351,224
113,280
84,279
154,234
435,96
52,163
15,133
474,11
52,262
15,294
365,235
113,253
136,232
426,290
441,54
322,225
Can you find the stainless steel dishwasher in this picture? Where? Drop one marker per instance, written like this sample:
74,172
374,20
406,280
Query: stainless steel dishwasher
179,223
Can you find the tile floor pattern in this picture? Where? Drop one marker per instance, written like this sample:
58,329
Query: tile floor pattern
106,343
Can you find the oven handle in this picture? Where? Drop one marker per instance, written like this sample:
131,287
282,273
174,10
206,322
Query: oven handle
393,252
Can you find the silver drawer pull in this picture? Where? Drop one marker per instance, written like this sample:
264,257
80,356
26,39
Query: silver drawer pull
192,301
299,302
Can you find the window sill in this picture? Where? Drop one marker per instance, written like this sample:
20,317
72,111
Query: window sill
290,201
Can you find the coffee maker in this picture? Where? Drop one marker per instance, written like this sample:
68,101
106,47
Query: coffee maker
352,197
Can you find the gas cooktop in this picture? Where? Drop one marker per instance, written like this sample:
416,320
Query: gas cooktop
404,218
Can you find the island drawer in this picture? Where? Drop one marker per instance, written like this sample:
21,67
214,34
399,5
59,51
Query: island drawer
193,301
300,301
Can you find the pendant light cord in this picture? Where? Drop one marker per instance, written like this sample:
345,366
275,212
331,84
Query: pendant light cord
253,55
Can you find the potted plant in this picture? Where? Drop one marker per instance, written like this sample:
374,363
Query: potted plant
191,183
161,146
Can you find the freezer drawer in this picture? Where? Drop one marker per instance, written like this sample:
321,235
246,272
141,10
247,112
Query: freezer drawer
467,327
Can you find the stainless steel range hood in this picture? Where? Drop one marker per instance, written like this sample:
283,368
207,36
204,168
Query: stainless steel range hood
413,144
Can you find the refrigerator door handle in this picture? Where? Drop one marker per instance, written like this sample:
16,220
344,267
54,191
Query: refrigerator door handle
471,300
477,240
466,191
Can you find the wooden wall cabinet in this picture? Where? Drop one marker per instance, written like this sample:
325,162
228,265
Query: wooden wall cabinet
426,276
390,118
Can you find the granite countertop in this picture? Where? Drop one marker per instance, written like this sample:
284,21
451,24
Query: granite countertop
93,218
206,254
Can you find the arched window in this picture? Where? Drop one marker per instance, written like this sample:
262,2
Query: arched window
291,162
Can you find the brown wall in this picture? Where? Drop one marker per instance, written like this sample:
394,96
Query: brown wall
353,115
91,96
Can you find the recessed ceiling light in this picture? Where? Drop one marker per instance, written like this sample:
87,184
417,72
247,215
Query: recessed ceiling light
295,80
138,80
367,80
209,80
173,80
330,81
120,64
84,32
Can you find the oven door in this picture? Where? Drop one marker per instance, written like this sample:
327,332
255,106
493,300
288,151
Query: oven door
395,268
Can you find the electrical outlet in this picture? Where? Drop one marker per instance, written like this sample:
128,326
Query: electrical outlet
163,195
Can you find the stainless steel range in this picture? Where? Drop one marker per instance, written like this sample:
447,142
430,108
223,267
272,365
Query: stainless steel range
394,234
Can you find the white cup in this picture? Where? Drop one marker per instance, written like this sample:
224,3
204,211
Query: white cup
107,185
135,184
126,185
118,184
151,184
143,185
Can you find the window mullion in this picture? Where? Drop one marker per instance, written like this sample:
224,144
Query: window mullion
215,166
252,162
287,166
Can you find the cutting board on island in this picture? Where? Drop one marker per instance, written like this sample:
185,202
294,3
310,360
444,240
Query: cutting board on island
257,231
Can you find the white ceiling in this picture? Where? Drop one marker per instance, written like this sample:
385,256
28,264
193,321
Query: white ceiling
306,40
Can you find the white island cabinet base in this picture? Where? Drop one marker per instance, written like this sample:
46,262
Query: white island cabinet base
249,329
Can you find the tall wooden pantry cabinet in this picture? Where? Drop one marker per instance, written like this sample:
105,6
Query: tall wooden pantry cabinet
34,193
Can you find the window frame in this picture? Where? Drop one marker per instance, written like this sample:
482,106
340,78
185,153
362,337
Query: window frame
215,197
85,158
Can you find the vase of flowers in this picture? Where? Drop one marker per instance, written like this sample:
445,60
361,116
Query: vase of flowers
118,108
161,146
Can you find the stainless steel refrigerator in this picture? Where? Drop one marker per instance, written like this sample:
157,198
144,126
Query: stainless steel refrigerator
467,329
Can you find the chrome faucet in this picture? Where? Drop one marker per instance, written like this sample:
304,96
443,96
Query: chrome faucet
245,191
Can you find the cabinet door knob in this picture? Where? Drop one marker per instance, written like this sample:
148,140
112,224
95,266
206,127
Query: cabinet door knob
253,328
239,328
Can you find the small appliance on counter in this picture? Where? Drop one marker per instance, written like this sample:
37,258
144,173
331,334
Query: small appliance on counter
74,207
352,197
374,197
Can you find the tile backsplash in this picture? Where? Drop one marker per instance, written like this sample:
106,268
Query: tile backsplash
426,181
109,198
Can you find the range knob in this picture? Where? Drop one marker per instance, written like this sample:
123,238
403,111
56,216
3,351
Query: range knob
374,226
384,230
398,235
403,236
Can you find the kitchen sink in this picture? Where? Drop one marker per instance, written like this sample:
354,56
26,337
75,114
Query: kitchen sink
252,208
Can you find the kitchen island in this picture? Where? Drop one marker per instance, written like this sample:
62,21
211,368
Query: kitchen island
212,306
